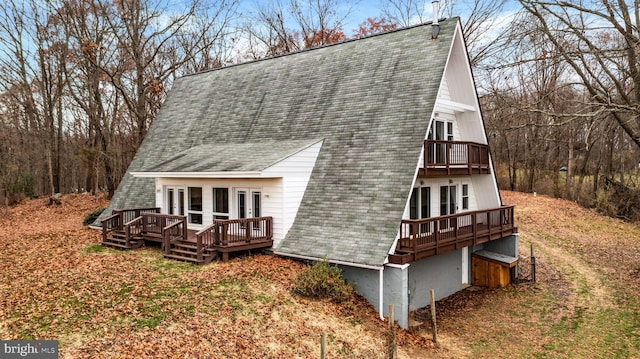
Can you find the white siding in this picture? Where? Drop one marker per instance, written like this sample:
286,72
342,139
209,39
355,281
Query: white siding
486,193
159,193
444,89
271,189
458,86
295,171
282,188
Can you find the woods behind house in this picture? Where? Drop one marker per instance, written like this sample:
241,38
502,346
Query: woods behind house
82,80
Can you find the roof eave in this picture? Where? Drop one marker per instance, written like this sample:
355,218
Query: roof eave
232,174
332,261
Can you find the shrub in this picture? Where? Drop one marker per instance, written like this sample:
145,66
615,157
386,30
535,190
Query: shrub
22,188
323,280
91,217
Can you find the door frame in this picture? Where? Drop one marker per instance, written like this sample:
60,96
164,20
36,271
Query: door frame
251,207
449,186
174,198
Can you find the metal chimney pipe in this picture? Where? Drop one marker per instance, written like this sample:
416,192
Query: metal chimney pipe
435,27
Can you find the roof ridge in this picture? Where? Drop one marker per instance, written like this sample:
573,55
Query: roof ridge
321,46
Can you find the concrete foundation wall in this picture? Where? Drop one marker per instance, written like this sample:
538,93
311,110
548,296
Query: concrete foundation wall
442,273
507,246
407,287
367,283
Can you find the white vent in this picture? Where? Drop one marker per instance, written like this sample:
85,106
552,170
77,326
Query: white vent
435,27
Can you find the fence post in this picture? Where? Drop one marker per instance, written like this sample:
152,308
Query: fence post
433,317
323,345
391,344
533,265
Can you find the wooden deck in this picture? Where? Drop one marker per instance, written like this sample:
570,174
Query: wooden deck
449,158
177,242
432,236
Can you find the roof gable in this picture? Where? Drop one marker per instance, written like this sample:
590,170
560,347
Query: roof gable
369,99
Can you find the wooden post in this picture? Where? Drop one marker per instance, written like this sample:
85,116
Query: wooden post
391,345
323,346
433,317
533,265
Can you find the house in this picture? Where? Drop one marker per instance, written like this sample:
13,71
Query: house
371,154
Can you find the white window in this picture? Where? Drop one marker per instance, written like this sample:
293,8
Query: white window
465,196
220,203
194,209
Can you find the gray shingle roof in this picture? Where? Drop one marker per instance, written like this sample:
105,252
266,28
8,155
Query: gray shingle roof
369,99
231,157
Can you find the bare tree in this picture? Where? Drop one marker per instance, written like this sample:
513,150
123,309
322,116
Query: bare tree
31,61
145,33
405,12
268,29
484,23
83,79
280,28
599,41
320,21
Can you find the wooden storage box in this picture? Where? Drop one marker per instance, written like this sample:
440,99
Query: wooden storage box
490,269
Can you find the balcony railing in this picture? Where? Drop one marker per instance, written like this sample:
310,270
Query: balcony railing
445,158
421,238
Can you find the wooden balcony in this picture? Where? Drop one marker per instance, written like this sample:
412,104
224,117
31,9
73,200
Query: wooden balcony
177,242
427,237
448,158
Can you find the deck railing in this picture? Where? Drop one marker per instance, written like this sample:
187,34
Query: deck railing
119,217
233,231
455,155
155,226
130,214
430,236
152,224
173,231
110,224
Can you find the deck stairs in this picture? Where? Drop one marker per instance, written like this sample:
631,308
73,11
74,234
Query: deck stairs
118,239
187,251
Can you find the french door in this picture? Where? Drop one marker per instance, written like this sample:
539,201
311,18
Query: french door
175,200
249,205
420,207
448,200
248,202
440,131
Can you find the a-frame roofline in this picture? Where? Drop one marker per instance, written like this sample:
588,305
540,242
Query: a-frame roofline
369,101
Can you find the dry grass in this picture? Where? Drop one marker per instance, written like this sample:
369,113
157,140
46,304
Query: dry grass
584,305
59,283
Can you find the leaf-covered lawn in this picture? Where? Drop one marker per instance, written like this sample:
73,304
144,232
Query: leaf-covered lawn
59,283
585,304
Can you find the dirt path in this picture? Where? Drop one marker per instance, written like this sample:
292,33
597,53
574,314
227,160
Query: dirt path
586,282
584,304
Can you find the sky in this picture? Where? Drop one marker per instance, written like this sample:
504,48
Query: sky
359,10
